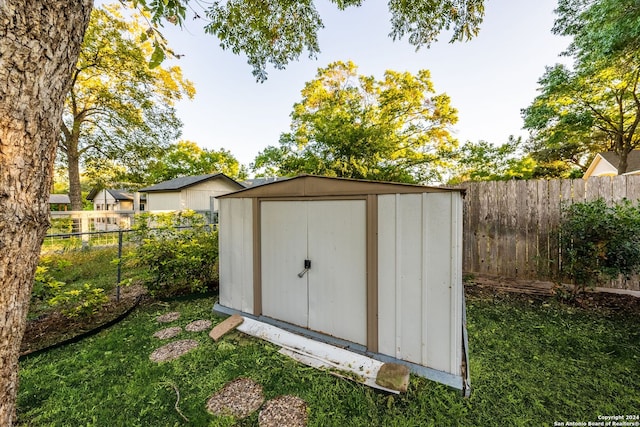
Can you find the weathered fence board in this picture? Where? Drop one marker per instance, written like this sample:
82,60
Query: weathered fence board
511,227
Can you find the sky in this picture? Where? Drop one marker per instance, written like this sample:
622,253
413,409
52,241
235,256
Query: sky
489,78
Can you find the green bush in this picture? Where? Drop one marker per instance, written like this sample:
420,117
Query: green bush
599,242
49,293
79,302
61,226
179,251
45,286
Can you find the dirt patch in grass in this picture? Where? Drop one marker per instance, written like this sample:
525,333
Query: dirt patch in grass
54,328
601,302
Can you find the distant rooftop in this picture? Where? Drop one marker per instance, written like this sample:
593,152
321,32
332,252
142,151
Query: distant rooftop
178,184
62,199
255,182
633,159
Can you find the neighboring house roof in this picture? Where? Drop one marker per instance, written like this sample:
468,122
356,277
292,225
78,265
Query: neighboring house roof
254,182
59,199
606,163
116,194
178,184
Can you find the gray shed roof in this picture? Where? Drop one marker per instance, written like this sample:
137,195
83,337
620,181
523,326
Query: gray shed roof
59,198
178,184
312,185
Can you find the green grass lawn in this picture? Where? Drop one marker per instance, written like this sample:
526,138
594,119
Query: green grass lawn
532,363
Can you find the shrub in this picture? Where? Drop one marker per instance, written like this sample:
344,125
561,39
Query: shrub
599,242
48,292
179,250
79,302
45,286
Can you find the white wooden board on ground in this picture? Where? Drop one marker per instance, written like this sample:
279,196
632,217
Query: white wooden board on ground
318,354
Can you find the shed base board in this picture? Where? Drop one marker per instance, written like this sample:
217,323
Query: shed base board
442,377
337,361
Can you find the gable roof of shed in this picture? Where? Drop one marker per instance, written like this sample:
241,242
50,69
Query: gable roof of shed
178,184
312,185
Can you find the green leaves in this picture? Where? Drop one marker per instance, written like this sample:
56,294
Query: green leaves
593,106
582,112
601,30
600,241
272,32
276,32
354,126
423,21
179,252
157,56
187,158
120,111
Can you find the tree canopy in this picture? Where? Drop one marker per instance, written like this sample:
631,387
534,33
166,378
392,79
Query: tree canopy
187,158
354,126
484,161
118,108
276,32
601,29
595,105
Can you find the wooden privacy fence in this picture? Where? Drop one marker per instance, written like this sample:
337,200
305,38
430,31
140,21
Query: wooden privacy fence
510,227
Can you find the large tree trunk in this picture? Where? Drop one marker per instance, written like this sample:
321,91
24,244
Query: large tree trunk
39,45
73,165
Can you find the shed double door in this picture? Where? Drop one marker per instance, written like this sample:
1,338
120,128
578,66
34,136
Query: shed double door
329,297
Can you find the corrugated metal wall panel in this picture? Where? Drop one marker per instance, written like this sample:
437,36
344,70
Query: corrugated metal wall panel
338,276
387,275
437,262
285,296
409,266
236,254
419,284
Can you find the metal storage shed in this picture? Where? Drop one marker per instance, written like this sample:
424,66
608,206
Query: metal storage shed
372,266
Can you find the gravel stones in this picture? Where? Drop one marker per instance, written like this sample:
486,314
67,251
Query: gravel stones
239,398
169,317
198,326
284,411
167,333
173,350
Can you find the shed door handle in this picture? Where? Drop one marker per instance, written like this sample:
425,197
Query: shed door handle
307,267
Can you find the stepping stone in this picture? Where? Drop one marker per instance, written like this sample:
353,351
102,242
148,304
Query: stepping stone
173,350
198,326
225,326
169,317
394,376
239,398
284,411
168,333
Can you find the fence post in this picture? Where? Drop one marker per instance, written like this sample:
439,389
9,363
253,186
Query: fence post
84,228
119,265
